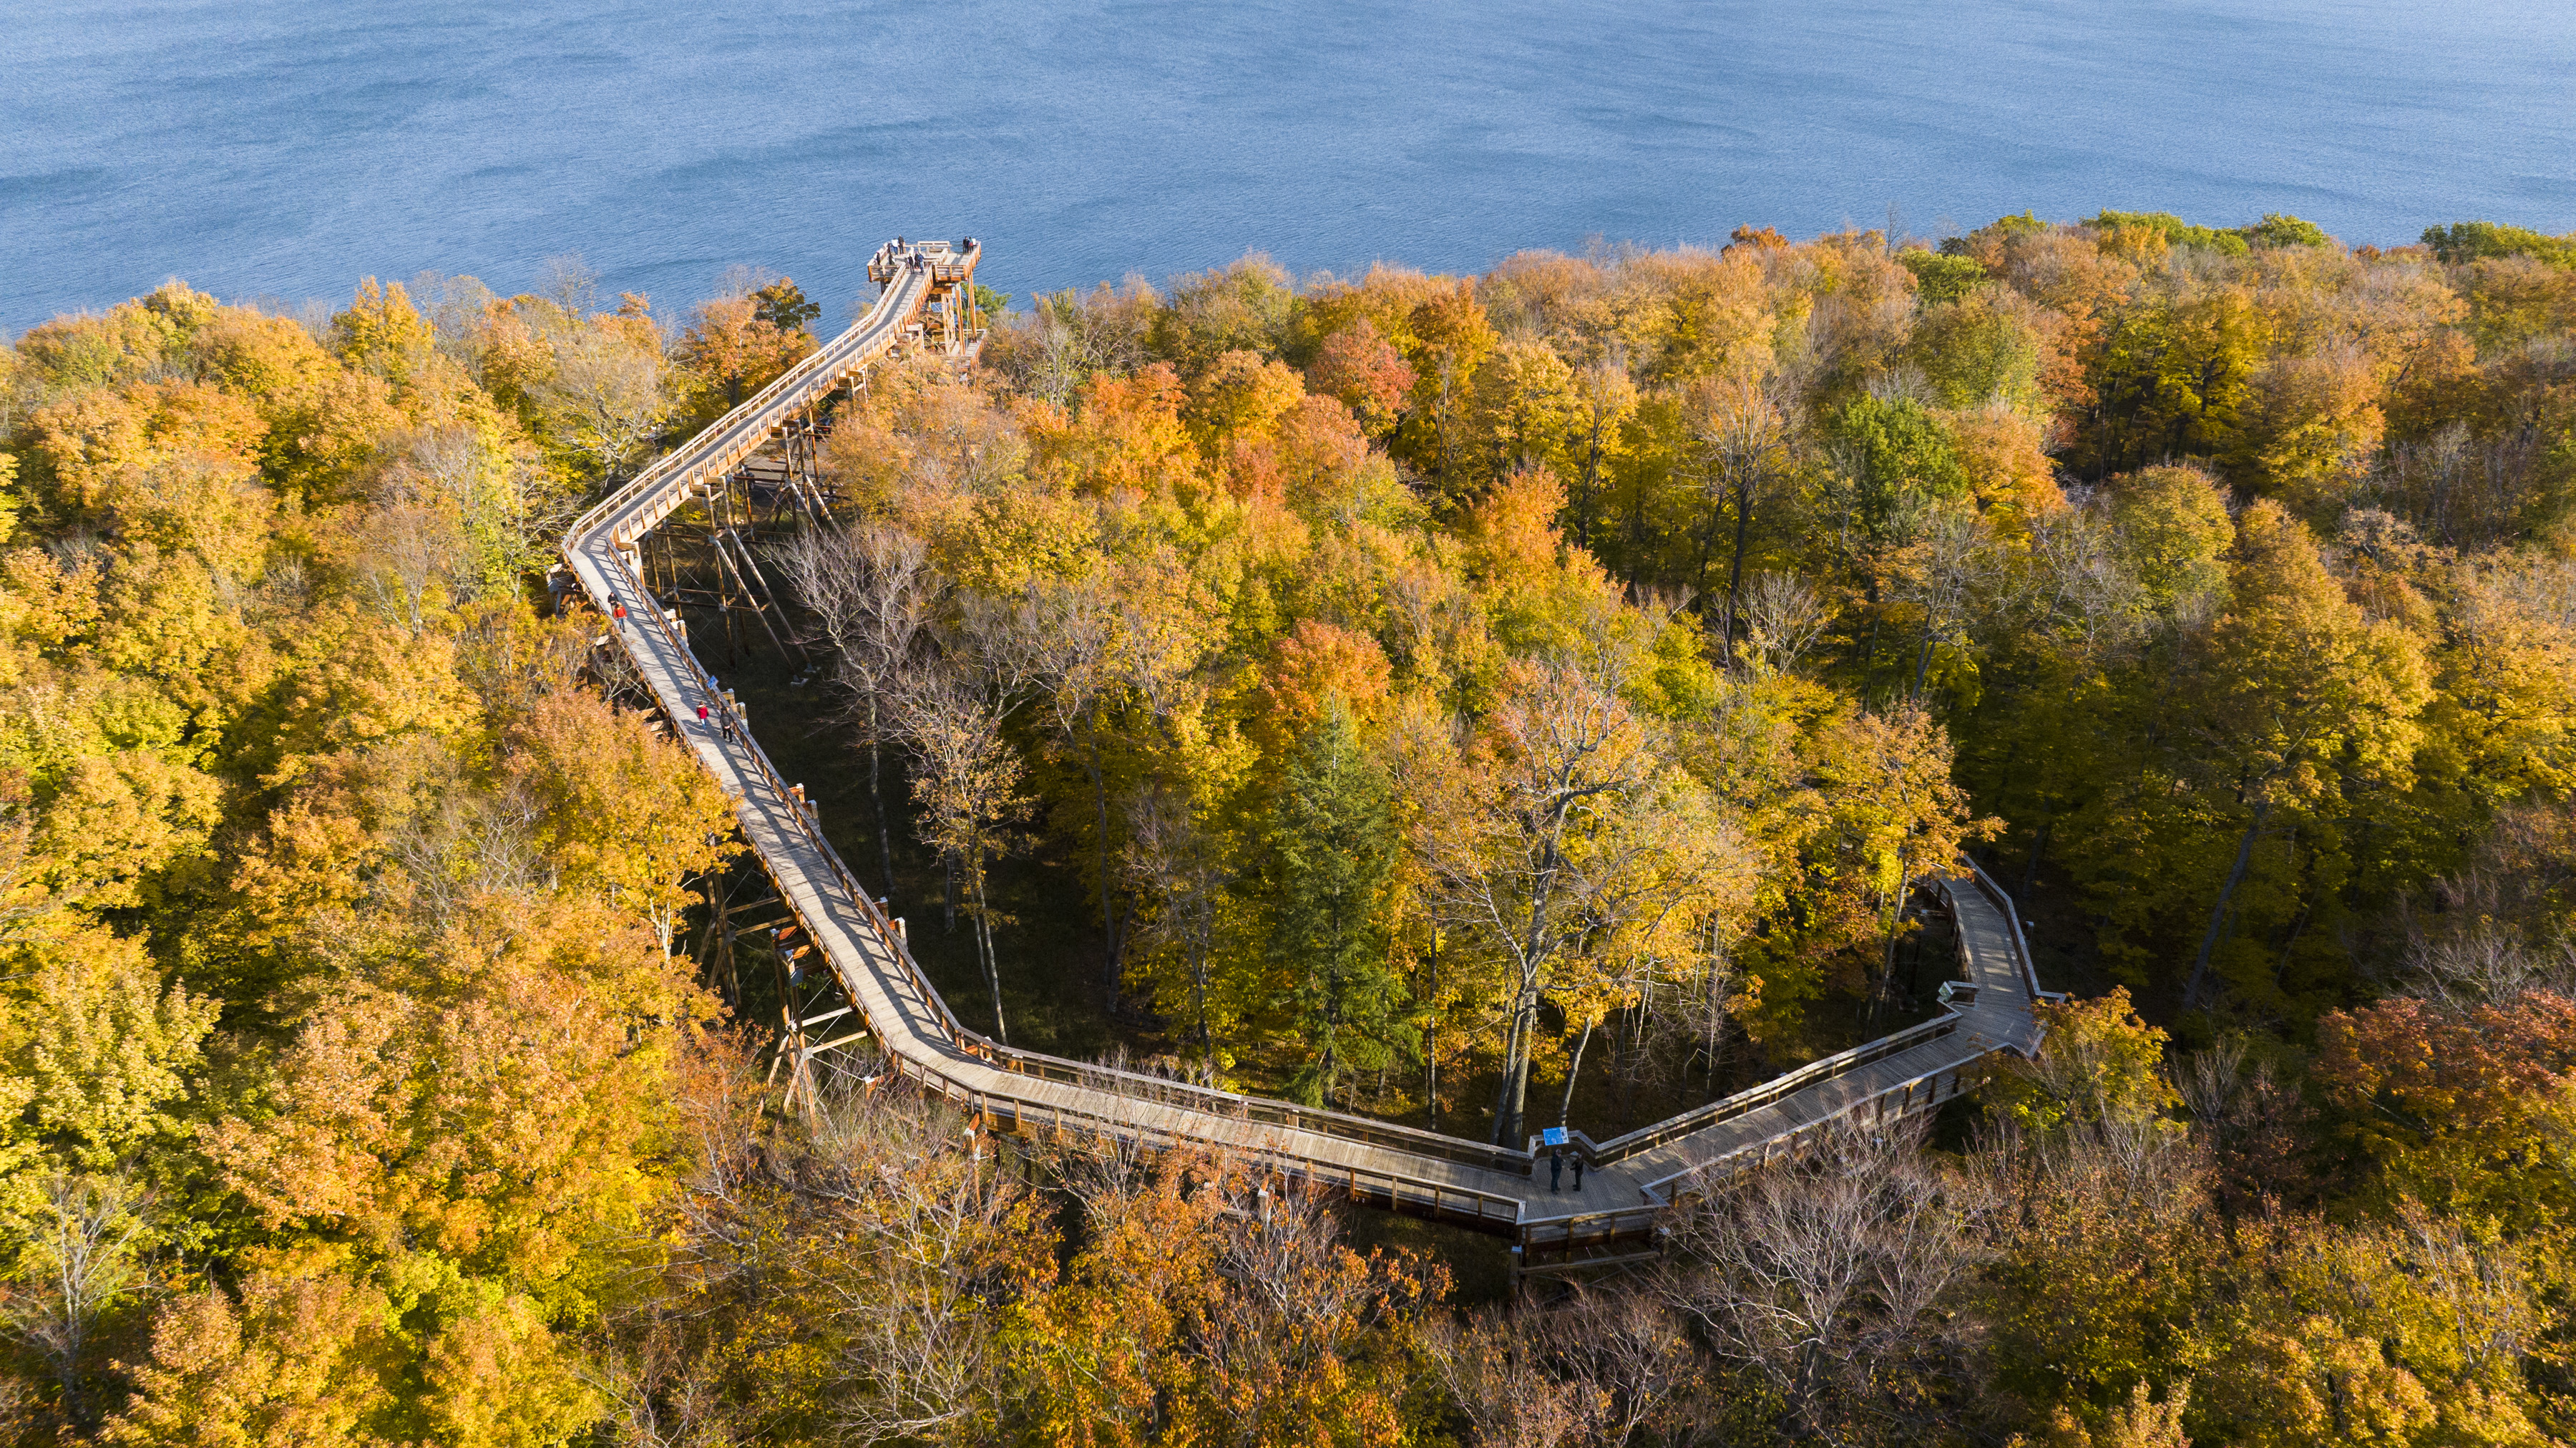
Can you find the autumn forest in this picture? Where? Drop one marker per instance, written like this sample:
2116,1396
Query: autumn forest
1482,703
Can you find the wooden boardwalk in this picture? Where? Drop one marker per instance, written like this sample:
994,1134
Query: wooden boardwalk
1629,1179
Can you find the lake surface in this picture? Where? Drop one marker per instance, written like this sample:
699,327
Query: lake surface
286,150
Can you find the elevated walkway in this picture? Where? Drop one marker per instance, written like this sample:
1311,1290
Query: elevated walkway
1629,1179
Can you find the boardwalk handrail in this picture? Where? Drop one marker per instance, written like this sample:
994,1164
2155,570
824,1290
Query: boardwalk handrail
2021,947
1754,1098
1398,1187
716,447
1661,1188
1407,1167
1288,1114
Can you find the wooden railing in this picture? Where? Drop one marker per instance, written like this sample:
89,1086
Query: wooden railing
1374,1185
1919,1092
1773,1091
2021,947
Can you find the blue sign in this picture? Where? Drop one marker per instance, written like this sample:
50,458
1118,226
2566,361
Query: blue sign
1553,1136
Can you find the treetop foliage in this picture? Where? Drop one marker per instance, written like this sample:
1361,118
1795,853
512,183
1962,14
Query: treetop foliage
2467,241
1494,701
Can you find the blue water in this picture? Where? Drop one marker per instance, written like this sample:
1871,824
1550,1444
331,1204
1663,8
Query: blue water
286,150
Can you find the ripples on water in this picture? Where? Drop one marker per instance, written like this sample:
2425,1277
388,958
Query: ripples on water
286,150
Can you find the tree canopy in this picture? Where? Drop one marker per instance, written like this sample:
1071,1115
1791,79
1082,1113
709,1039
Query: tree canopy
1477,702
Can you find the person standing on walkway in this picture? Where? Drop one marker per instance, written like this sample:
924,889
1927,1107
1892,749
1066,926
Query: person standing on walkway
1555,1168
1578,1171
702,717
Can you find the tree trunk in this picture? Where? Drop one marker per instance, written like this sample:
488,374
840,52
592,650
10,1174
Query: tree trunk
1332,1038
1735,570
2191,992
2038,847
1521,1069
1431,1037
1503,1087
1525,1016
1869,651
1887,966
984,945
1200,945
1714,1035
1636,536
1699,569
1109,973
1584,493
1443,427
1565,1107
876,797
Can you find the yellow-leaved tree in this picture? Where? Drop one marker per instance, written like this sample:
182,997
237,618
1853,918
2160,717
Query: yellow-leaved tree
627,813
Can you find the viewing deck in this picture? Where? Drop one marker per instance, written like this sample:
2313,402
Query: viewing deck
1629,1179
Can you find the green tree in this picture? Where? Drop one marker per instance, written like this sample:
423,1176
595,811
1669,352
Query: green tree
2299,691
1245,307
2175,231
2172,538
1333,853
2465,241
2276,229
1940,278
2171,378
1895,454
1527,407
733,348
1983,346
1892,465
782,304
1449,338
98,1057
